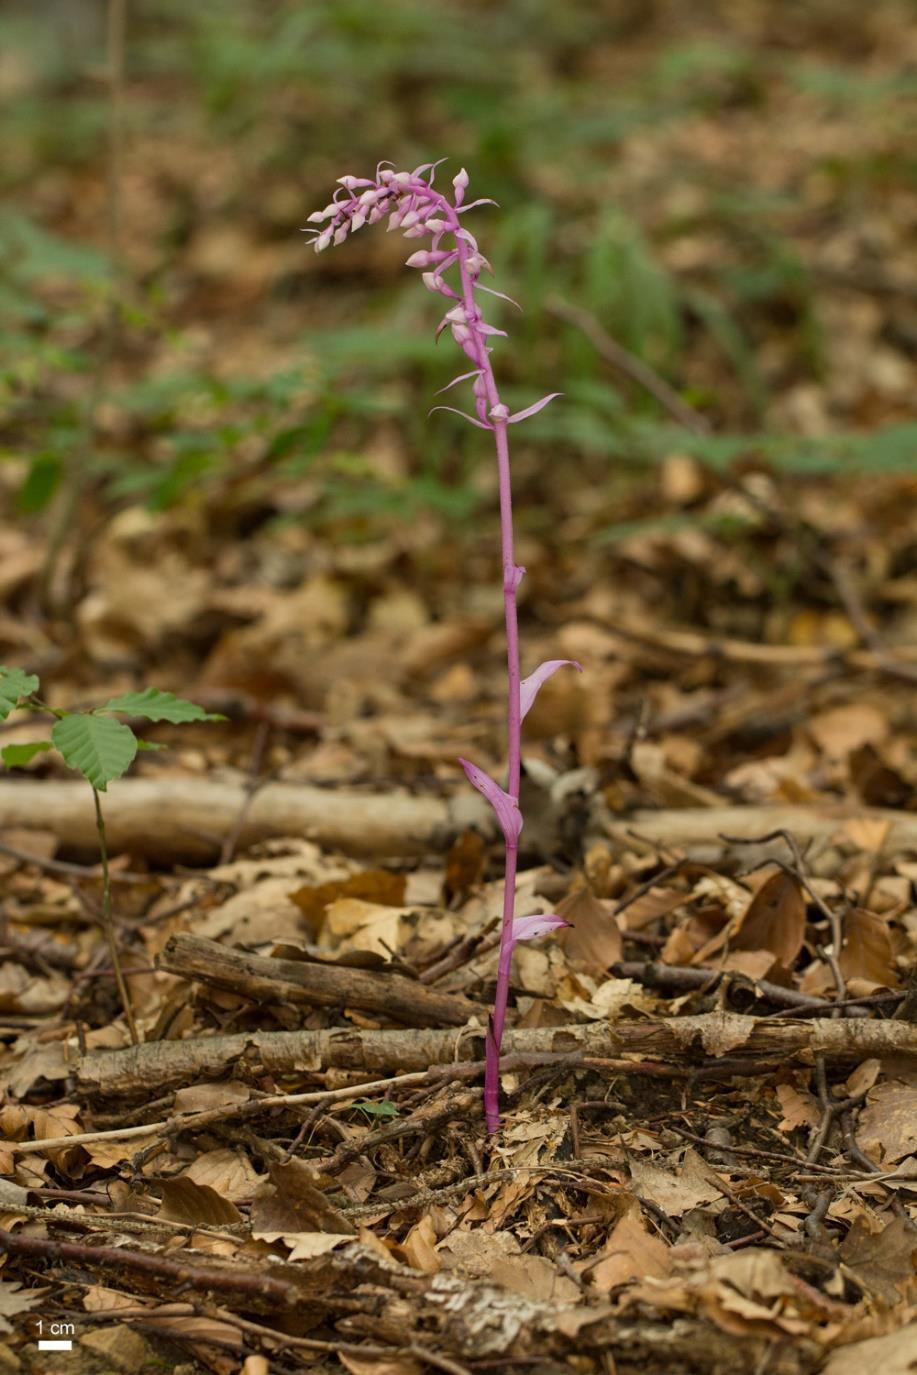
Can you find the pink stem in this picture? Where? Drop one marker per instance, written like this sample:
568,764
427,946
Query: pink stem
511,576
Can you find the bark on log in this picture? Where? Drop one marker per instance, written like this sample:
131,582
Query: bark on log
688,1040
188,818
268,980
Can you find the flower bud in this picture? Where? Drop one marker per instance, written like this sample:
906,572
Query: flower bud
460,182
499,412
340,234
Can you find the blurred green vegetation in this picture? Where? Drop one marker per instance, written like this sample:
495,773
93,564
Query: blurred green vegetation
682,173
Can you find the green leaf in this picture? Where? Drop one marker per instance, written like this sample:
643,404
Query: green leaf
149,744
16,755
96,746
155,705
384,1110
14,683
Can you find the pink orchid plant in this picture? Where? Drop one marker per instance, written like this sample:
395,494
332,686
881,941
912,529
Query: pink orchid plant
409,202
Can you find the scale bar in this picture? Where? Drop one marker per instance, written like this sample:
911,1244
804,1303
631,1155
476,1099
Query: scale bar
55,1346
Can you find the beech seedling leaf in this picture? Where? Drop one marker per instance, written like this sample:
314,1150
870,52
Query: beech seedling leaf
14,684
14,756
98,747
153,704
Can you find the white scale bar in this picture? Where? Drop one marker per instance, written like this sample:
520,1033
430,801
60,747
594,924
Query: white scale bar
55,1346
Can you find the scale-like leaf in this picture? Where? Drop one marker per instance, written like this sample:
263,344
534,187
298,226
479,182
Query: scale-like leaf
14,683
527,928
528,688
533,409
503,803
14,756
153,704
98,747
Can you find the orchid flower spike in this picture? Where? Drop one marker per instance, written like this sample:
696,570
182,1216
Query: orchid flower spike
451,265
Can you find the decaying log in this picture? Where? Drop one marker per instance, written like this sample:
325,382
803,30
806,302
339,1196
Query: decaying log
446,1315
188,818
688,1040
678,828
268,980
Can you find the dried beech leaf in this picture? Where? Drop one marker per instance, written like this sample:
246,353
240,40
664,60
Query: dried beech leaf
883,1262
775,920
867,950
198,1204
631,1252
594,939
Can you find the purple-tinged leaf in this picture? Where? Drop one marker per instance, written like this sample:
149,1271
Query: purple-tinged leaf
485,200
502,295
528,688
483,328
455,381
533,409
527,928
505,806
470,418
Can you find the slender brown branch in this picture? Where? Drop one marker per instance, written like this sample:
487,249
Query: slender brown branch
630,365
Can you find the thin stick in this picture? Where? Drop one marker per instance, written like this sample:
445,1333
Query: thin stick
631,366
108,923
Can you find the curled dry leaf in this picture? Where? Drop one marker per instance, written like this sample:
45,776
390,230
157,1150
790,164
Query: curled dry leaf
594,939
198,1204
867,950
887,1127
775,920
893,1354
631,1252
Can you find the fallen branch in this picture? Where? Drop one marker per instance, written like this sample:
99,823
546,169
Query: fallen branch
188,818
264,979
159,1064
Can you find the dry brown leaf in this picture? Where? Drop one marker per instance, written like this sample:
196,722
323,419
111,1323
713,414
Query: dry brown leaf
799,1108
867,950
122,1348
887,1126
352,924
630,1253
675,1194
372,886
893,1354
229,1172
847,728
593,939
882,1262
28,994
97,1298
775,920
185,1201
384,1365
419,1247
290,1202
650,907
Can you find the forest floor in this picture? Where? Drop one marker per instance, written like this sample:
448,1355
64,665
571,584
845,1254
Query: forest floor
217,479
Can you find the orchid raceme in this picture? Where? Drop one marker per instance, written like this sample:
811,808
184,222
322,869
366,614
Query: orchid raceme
451,265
